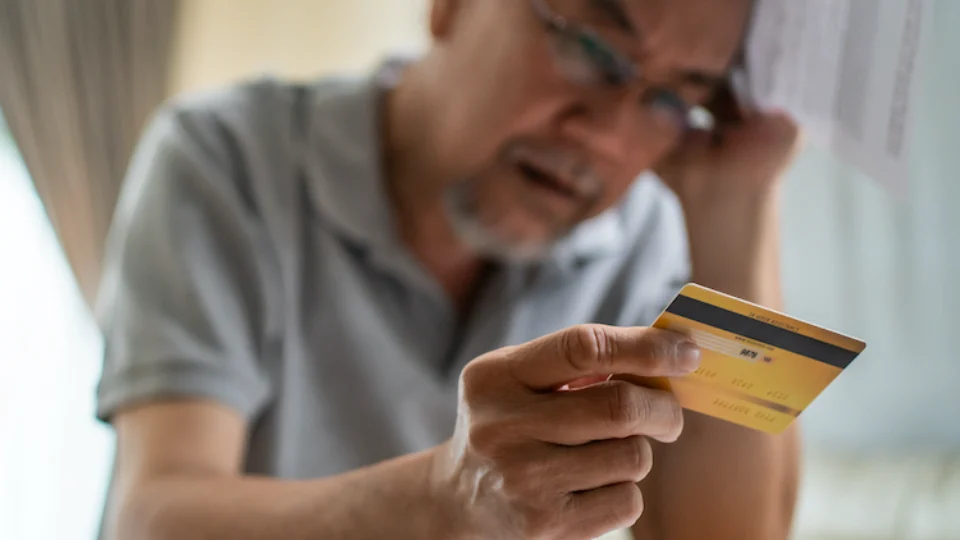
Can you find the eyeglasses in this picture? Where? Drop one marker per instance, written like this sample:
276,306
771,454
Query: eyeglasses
584,57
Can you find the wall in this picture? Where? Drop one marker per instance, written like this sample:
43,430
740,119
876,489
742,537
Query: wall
222,40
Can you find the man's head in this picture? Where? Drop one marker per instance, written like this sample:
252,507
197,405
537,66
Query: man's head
545,111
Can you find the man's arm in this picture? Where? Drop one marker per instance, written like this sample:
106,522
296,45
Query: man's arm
178,477
722,482
188,304
719,480
523,461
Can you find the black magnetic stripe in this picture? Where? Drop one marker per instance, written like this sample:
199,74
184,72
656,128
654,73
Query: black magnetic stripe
775,336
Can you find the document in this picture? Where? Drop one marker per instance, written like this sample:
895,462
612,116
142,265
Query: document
847,70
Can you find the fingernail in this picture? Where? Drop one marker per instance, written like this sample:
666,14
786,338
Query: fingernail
688,356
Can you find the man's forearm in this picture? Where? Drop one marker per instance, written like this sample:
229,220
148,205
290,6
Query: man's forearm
390,500
745,260
719,480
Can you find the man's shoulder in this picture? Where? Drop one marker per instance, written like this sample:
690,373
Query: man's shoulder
263,110
255,136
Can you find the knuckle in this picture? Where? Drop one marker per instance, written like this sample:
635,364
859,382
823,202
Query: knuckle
677,415
484,440
674,415
641,457
659,352
589,348
518,484
472,381
630,505
624,506
627,408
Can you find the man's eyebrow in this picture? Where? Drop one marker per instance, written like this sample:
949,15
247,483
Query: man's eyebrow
614,10
703,79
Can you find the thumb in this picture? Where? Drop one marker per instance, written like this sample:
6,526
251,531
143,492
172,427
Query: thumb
590,351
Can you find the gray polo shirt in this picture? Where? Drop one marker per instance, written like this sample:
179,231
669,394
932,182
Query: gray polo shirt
254,262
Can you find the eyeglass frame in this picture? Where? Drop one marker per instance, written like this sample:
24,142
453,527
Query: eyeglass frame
624,70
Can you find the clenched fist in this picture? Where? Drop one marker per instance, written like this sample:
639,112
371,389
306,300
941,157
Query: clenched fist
547,447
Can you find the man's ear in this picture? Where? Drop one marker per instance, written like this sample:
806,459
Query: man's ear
442,16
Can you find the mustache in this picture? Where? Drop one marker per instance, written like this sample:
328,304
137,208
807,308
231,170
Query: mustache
566,166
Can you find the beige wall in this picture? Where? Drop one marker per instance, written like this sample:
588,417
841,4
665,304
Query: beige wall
222,40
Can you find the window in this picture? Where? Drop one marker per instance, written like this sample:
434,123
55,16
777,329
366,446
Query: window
54,456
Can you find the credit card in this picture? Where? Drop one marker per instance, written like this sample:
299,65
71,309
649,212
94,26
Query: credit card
760,368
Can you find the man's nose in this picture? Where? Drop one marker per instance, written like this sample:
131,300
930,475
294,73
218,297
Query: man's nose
604,124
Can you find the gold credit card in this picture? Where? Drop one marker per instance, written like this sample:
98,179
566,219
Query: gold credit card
759,368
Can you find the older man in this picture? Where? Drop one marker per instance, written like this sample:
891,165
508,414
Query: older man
389,307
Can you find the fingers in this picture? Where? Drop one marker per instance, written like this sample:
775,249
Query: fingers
595,465
591,514
590,350
538,471
598,512
761,146
769,131
611,410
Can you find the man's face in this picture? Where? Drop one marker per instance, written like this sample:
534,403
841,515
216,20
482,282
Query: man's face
548,110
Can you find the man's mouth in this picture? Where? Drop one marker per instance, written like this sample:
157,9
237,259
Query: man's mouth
545,179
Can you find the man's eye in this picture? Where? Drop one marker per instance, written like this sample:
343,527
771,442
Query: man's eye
666,99
604,60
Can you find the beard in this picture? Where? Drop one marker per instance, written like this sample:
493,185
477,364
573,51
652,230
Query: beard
487,235
505,225
524,203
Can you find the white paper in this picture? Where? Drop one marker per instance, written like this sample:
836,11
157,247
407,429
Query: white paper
847,71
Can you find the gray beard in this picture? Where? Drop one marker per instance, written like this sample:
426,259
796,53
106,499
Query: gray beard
461,208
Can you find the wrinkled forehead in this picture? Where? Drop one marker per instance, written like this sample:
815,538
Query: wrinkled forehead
705,33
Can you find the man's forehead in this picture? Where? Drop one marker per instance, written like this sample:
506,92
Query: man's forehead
709,30
732,10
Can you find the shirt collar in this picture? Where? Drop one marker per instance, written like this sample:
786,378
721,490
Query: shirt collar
346,182
343,161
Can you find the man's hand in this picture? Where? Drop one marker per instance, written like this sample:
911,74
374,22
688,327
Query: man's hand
532,460
729,186
746,159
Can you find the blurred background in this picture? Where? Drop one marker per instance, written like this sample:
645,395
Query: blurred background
883,443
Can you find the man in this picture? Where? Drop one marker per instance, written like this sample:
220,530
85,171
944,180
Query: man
389,308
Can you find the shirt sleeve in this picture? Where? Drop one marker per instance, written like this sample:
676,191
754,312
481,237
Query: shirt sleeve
185,288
